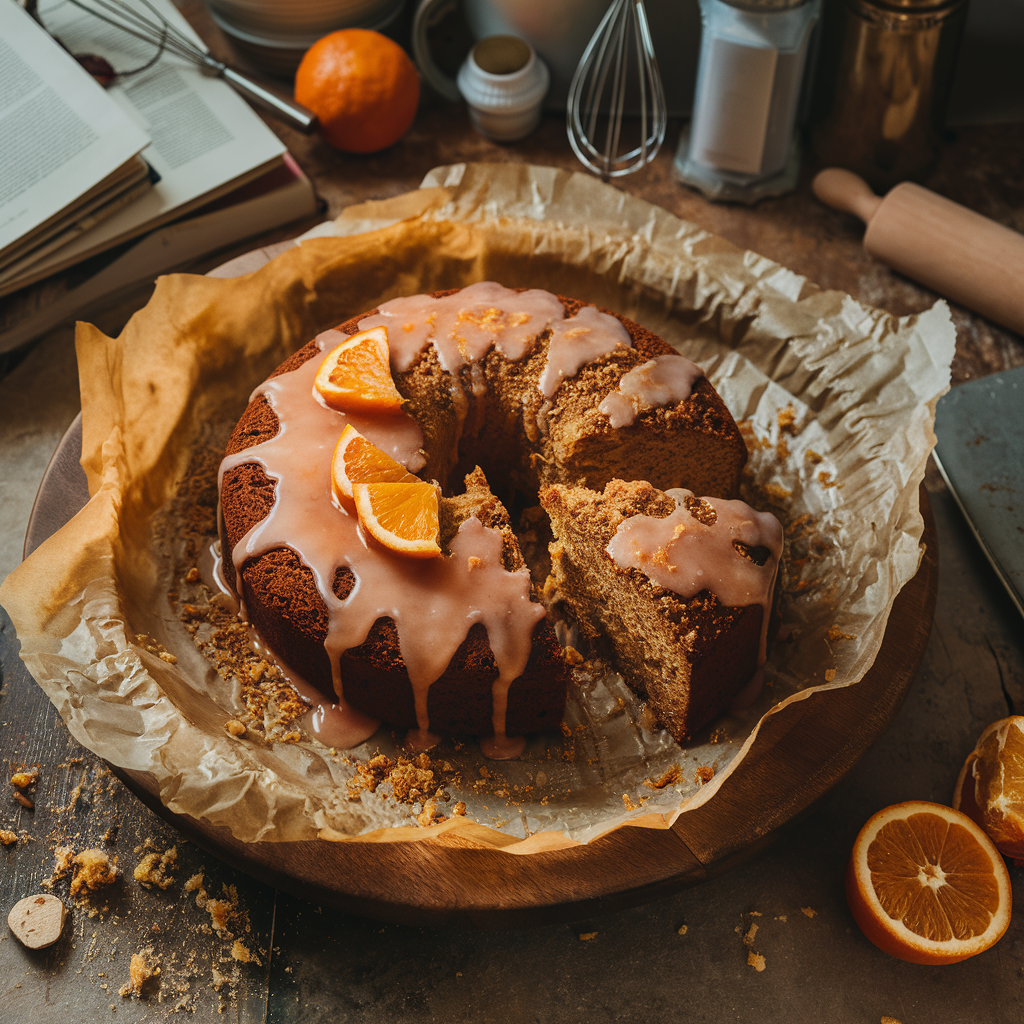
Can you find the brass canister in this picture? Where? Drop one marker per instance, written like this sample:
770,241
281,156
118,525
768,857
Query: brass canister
891,89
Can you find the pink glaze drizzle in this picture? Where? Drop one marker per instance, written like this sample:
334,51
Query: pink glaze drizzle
462,327
577,341
661,381
433,602
684,555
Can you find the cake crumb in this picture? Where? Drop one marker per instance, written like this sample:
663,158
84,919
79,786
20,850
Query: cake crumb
430,815
717,736
24,800
672,775
683,929
155,869
63,857
587,936
808,912
835,633
140,971
830,674
628,803
24,779
234,727
572,656
474,562
756,961
219,980
93,869
242,953
748,939
460,809
192,576
787,419
7,837
889,1020
703,775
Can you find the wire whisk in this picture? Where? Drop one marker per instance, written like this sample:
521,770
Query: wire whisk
152,27
621,45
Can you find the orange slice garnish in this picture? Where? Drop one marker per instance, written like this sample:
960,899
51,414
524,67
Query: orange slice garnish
355,376
990,789
925,884
401,516
357,460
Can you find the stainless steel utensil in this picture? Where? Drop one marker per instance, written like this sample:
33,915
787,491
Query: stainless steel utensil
621,45
153,28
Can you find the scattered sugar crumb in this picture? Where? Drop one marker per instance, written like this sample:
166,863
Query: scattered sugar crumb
24,779
748,939
703,775
628,803
835,633
219,979
234,727
155,869
808,912
756,913
460,809
672,775
93,868
889,1020
242,953
587,936
7,837
683,929
141,969
782,918
756,961
830,674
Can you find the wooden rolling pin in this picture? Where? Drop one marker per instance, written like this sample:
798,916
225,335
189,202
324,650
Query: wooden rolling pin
952,250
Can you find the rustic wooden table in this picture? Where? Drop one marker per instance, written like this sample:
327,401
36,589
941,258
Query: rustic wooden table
279,959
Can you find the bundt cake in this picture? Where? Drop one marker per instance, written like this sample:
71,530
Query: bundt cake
538,390
682,589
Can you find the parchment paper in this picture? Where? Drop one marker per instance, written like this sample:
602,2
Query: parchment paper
837,400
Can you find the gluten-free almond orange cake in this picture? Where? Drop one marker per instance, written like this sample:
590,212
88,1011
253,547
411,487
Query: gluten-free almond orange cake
365,522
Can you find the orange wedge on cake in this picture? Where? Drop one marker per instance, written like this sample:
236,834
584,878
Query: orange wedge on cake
402,516
395,507
925,884
357,460
355,376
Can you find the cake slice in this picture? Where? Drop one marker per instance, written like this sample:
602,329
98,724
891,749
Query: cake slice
681,589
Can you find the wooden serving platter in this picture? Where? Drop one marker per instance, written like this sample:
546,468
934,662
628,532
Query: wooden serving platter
800,752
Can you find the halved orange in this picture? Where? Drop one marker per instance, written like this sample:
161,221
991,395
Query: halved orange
355,376
357,460
990,789
401,516
925,884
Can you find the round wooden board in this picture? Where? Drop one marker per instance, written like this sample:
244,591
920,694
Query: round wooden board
799,753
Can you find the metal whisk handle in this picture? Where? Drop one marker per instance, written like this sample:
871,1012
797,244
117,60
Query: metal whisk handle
288,110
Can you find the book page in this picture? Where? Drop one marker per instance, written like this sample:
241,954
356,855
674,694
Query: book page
62,135
206,138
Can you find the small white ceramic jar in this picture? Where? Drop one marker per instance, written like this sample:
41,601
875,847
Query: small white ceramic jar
504,82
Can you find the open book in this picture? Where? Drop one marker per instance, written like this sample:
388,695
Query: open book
68,149
198,139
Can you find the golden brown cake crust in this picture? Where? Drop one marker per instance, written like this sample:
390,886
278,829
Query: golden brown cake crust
280,593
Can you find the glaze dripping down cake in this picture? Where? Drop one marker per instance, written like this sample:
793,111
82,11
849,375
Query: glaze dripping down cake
502,392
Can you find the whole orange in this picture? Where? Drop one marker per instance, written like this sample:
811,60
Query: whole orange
362,87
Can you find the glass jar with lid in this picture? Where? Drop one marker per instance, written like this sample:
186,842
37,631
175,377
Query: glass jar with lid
740,144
